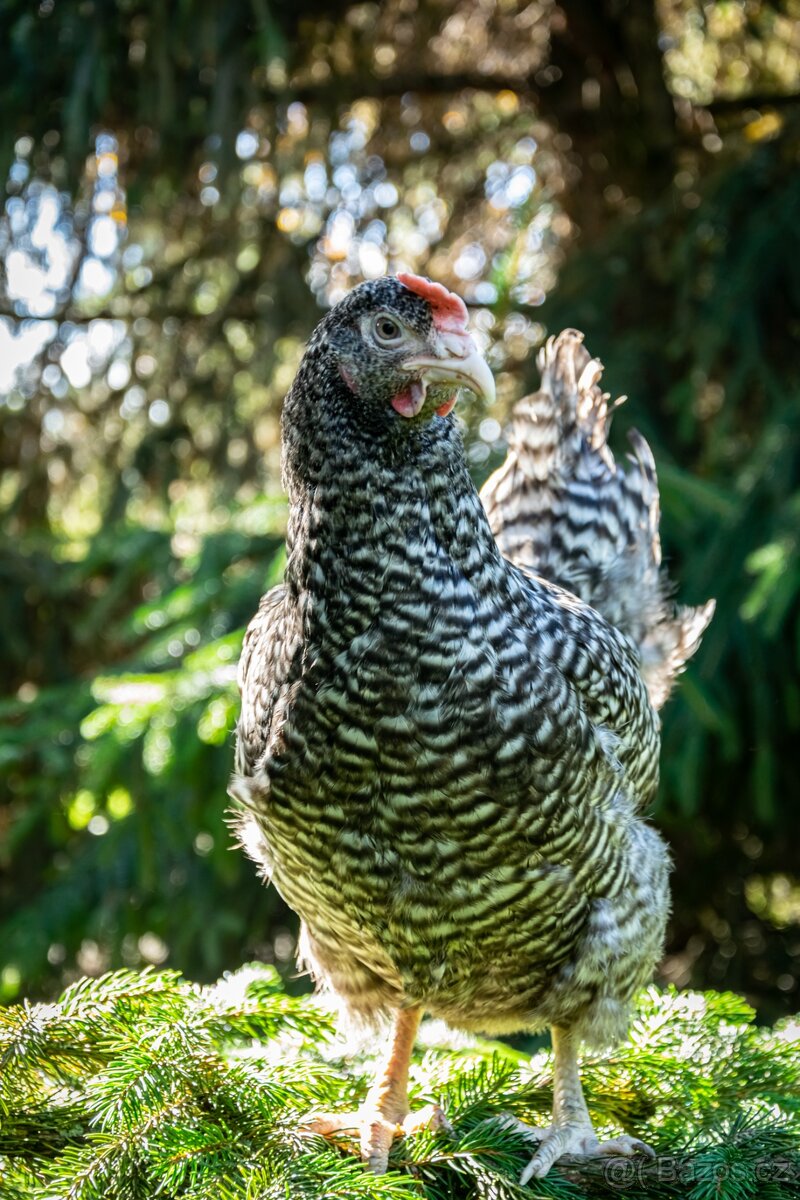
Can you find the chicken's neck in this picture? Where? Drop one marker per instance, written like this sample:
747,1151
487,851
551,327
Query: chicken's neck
370,506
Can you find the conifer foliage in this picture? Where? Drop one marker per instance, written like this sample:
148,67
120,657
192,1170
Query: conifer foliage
145,1085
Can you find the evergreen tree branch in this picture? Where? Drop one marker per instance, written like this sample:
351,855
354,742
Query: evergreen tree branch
138,1085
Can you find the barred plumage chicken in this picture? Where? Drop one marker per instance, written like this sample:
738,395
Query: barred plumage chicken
444,756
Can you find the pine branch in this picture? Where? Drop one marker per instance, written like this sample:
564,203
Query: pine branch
136,1085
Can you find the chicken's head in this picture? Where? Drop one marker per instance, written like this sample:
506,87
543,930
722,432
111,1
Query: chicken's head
402,347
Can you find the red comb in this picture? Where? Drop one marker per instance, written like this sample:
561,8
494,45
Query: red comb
449,310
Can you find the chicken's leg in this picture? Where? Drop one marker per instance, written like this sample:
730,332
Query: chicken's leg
384,1114
572,1132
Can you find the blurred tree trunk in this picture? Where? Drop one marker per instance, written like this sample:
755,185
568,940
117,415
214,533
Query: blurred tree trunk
612,100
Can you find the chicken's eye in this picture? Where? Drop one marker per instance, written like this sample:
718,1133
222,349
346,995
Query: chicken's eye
386,329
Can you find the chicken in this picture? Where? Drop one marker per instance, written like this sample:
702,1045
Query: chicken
443,759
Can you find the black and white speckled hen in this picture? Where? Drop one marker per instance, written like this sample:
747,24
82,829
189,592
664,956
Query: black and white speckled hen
443,758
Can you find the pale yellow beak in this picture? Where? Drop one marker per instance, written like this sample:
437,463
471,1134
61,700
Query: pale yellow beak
459,363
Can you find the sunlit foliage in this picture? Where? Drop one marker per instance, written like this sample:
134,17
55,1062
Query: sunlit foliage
184,196
139,1085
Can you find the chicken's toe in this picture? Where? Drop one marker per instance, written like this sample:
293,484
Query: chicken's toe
431,1117
625,1146
373,1131
579,1140
534,1133
367,1127
327,1124
377,1135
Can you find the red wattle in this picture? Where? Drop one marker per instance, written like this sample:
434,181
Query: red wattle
409,402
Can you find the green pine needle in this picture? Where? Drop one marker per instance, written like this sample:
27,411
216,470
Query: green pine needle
139,1086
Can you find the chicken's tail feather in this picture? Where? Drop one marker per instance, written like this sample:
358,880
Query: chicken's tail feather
561,506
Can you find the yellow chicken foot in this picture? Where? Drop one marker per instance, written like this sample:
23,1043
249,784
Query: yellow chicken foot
571,1132
384,1115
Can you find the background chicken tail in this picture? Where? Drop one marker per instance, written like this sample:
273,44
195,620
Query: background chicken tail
562,507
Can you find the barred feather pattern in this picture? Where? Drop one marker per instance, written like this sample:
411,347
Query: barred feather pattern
442,763
560,506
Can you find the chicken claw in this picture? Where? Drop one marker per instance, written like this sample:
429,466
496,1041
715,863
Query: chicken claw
578,1140
374,1130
